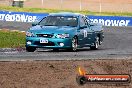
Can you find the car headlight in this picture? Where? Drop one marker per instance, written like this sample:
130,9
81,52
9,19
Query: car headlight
30,34
62,36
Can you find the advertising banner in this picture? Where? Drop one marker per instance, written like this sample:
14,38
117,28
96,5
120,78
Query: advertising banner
21,16
32,17
112,20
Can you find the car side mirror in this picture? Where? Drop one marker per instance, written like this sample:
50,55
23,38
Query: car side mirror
83,27
34,23
92,24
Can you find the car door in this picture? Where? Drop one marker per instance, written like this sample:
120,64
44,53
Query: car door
90,33
82,31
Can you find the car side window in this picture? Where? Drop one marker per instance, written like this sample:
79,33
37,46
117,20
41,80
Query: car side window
86,21
83,21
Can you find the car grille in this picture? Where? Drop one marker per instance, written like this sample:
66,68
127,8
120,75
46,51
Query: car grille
44,44
45,35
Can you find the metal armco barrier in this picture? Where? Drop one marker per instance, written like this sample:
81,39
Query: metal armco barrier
32,17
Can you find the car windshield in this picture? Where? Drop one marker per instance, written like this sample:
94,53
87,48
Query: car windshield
59,21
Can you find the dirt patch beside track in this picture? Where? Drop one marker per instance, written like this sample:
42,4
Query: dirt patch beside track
59,74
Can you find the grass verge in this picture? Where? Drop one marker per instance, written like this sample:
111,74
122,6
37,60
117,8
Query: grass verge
9,39
42,10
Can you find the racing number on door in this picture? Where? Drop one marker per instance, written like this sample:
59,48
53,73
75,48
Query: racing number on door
85,33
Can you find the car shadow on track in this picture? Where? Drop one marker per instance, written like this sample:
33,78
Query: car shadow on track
63,50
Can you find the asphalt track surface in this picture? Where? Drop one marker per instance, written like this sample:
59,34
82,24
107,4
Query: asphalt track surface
117,45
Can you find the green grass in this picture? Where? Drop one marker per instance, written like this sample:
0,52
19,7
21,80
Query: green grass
42,10
10,39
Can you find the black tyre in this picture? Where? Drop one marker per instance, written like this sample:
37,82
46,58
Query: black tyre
96,44
30,49
74,44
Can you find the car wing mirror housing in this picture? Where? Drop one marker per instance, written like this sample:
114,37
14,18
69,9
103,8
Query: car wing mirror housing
92,24
34,23
83,27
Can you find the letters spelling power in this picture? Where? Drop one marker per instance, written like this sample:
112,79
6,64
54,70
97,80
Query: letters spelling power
109,22
17,17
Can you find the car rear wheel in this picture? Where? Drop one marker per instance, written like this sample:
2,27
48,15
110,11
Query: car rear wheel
74,44
30,49
96,44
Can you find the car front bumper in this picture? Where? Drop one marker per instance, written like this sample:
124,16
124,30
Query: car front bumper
52,43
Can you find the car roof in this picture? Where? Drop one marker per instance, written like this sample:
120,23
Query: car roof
65,14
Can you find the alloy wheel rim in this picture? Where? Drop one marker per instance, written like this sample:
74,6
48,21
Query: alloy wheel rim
97,43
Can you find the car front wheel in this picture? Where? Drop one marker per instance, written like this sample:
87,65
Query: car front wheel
74,44
30,49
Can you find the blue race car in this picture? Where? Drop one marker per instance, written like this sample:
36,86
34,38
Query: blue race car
64,30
